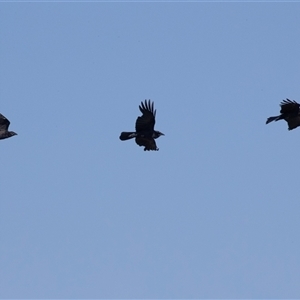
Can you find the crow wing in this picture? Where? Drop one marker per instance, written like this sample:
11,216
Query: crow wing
289,107
147,121
4,123
148,143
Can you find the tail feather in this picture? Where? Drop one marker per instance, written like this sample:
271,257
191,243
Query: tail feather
127,135
273,119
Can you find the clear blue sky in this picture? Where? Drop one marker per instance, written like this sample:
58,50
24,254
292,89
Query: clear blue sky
213,214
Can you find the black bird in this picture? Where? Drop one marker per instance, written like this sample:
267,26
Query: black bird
289,112
144,128
4,124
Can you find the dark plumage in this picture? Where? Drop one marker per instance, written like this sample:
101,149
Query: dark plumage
289,112
4,124
144,134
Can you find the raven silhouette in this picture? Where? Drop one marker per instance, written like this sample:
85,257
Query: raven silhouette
289,112
144,134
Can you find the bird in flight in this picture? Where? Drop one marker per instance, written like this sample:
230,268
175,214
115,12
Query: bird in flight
4,124
289,112
144,134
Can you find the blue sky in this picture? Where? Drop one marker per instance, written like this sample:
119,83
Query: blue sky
213,214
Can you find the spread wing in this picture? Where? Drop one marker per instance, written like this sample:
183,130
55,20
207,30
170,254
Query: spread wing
289,107
147,121
148,143
4,123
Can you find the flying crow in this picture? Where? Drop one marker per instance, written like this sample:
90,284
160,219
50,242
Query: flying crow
4,124
144,134
289,112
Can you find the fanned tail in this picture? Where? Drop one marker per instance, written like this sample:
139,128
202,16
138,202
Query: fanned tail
273,119
127,135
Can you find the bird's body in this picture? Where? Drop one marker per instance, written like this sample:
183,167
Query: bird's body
4,124
144,134
290,112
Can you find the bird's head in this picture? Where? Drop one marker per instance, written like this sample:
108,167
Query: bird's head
12,133
159,133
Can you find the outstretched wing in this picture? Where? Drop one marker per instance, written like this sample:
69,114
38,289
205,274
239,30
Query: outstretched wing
148,143
4,123
147,121
289,107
